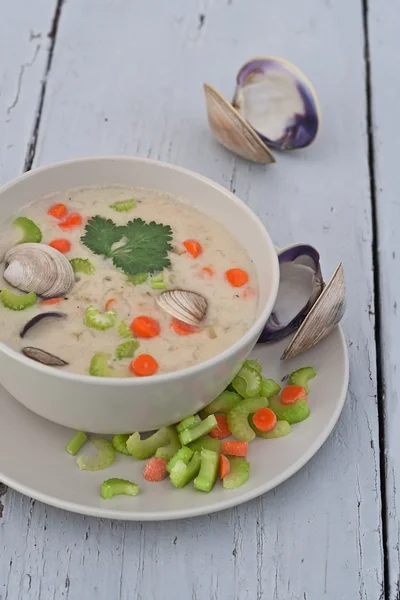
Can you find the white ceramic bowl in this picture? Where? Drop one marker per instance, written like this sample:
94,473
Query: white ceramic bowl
106,405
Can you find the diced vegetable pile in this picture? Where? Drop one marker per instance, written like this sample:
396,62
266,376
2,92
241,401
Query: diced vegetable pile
197,449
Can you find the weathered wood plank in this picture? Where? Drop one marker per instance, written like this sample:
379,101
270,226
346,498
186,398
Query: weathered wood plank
384,22
24,42
126,78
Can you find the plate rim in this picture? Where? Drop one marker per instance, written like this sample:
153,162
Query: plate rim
207,508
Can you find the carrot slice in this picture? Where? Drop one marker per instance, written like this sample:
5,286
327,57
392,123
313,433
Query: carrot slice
155,469
50,301
237,277
222,430
208,271
182,328
224,466
58,211
264,419
61,245
71,221
145,327
110,303
235,448
193,247
291,393
144,365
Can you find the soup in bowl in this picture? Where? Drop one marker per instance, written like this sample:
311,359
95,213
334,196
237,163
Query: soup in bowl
131,292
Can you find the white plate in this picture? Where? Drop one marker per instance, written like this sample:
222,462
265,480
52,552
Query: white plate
33,460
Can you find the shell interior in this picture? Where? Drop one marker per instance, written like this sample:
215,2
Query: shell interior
278,102
188,307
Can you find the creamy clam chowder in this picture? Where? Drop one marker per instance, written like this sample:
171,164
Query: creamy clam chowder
114,251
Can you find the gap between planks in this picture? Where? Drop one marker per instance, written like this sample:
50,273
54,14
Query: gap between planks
380,383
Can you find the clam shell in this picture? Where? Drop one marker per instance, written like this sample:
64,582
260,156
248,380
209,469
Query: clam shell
43,357
325,314
188,307
39,268
232,130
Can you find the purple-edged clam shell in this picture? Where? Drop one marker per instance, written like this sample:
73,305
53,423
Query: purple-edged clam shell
300,285
38,318
279,103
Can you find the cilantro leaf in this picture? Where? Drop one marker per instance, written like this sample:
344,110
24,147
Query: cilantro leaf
100,235
142,248
145,249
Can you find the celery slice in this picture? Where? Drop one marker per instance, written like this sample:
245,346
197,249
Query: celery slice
292,413
124,330
127,349
181,473
30,231
97,320
239,473
302,377
189,435
124,205
172,447
187,423
247,382
222,403
238,418
76,443
17,301
281,429
142,449
269,388
184,454
115,486
207,476
104,458
82,265
207,443
119,443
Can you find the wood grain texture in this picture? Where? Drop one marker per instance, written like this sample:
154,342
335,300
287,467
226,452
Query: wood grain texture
127,78
24,43
384,21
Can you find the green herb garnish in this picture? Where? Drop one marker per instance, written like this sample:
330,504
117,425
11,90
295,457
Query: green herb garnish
137,247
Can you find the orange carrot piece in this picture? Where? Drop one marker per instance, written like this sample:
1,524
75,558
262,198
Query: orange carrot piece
264,419
291,393
110,303
224,466
144,365
61,245
193,247
221,431
155,469
145,327
58,211
237,277
182,328
50,301
71,221
235,448
208,271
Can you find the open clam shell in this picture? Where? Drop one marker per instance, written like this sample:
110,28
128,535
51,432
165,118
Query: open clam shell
188,307
274,106
38,268
304,304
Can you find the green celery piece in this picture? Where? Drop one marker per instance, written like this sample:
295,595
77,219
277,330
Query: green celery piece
104,458
302,377
82,265
238,418
188,423
126,349
203,428
124,205
124,330
181,473
184,454
76,443
222,403
30,231
16,301
292,413
253,364
207,443
157,277
142,449
207,476
247,382
158,285
97,320
119,443
269,388
239,473
99,365
172,447
138,278
281,429
115,486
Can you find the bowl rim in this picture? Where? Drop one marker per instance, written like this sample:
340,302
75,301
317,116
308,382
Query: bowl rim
162,377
